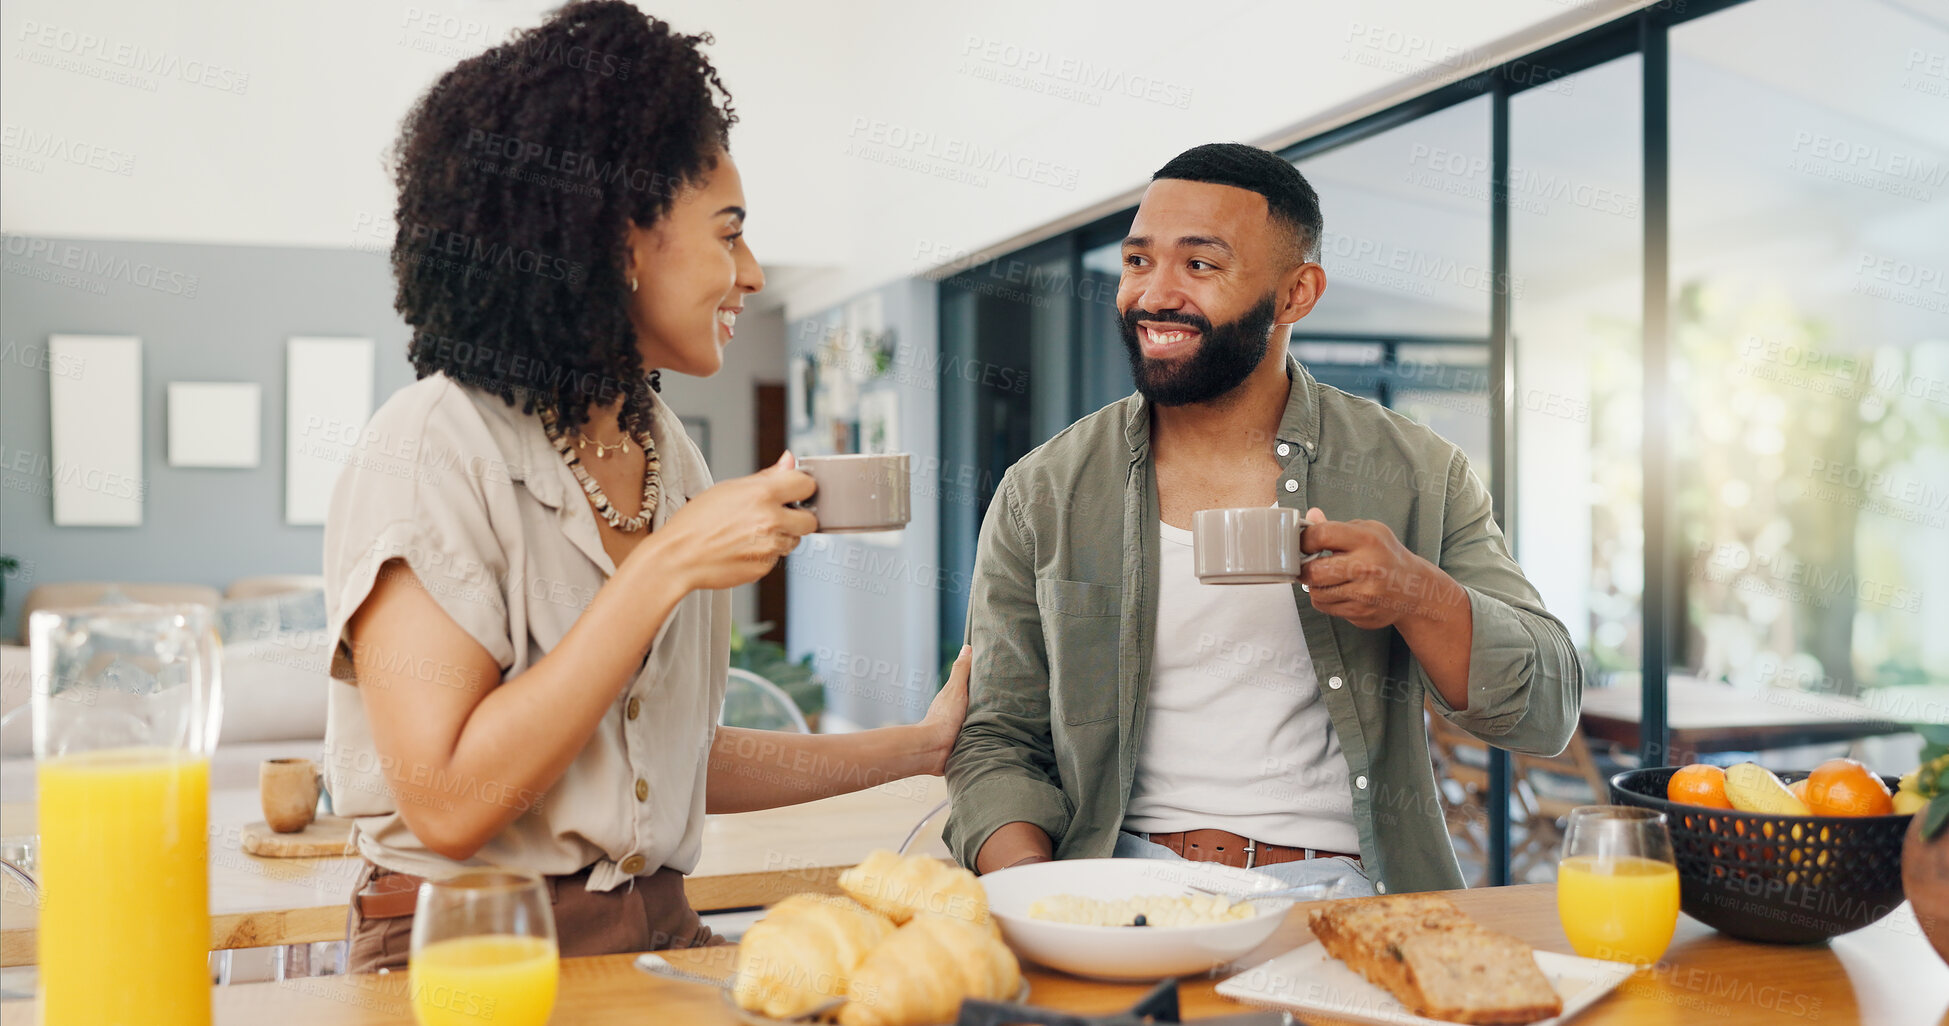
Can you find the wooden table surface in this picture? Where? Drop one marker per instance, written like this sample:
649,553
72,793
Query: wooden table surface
749,859
1885,975
1708,716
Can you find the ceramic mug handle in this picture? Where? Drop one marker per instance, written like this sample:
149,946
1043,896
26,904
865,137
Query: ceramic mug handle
1308,557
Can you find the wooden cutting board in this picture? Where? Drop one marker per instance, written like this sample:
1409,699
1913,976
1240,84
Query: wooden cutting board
327,835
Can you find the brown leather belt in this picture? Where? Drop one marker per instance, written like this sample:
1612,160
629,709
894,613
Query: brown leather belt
1239,852
389,895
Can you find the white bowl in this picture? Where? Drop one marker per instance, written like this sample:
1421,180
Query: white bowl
1130,952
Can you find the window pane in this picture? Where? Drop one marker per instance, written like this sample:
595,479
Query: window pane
1811,345
1103,367
1406,252
1577,289
1406,247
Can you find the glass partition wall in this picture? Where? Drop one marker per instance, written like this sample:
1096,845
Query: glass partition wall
1405,316
1677,301
1810,353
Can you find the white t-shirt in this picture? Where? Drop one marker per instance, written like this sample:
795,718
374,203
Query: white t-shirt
1236,736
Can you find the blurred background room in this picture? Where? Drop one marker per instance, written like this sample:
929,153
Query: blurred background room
1673,274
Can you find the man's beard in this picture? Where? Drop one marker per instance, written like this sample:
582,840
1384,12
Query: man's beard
1226,355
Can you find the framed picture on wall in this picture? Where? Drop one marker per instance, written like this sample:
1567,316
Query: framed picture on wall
879,421
214,423
801,383
328,396
96,430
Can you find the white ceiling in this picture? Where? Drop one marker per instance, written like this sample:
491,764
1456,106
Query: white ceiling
294,158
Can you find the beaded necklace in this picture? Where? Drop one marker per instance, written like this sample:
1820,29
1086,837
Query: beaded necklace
652,475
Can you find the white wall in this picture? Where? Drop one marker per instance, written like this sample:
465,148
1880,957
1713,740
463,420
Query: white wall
281,144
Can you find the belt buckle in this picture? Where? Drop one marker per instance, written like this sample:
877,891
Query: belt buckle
1251,852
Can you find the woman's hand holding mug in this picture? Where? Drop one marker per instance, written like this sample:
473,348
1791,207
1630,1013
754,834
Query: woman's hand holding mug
734,532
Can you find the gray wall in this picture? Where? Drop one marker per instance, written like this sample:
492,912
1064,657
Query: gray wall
868,613
199,525
211,526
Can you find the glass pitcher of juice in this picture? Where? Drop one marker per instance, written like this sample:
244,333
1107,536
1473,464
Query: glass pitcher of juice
126,704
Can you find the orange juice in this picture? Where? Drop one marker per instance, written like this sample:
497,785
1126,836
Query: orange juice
1622,908
504,979
125,916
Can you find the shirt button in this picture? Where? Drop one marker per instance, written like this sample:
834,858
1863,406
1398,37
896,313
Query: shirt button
643,789
1284,449
1360,782
1380,888
633,865
1334,683
1292,485
635,707
1309,447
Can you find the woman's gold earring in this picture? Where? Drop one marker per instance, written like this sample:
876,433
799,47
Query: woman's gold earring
632,283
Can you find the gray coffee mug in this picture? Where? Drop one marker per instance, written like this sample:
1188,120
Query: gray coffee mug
860,492
1254,545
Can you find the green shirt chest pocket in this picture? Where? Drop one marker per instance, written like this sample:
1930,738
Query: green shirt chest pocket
1080,626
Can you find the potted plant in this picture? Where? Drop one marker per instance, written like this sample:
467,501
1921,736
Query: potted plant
1925,851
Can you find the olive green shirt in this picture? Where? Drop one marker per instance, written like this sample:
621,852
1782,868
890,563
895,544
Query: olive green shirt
1063,610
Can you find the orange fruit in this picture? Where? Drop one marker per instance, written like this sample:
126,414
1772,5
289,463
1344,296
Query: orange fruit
1699,784
1799,789
1844,787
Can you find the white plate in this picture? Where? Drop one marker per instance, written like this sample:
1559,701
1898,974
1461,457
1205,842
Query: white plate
1129,952
1310,980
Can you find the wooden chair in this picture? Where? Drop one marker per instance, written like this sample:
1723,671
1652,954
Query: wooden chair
1548,787
1462,781
1545,789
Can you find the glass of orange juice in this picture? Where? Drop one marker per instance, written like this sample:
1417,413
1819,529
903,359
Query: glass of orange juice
1616,885
484,950
126,705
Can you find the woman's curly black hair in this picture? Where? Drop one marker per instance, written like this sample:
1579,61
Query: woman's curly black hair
519,173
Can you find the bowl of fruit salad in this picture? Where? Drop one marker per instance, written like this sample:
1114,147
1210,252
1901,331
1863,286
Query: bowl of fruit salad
1786,858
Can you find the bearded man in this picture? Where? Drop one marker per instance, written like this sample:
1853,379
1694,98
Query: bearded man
1118,707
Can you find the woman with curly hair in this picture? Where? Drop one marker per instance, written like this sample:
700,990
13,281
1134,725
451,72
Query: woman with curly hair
527,561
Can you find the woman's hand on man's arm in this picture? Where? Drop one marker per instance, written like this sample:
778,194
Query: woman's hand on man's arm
765,769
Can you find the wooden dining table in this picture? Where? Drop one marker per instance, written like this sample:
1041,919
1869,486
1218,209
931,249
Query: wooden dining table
1710,716
749,859
1885,975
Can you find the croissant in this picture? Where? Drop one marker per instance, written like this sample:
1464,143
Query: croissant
898,888
804,952
922,972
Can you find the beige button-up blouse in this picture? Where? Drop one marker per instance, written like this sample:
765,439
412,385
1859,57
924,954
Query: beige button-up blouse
469,492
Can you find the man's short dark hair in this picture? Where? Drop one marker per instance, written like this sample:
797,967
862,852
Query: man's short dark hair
1290,200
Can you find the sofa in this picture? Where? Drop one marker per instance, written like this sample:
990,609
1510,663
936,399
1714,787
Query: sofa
274,665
